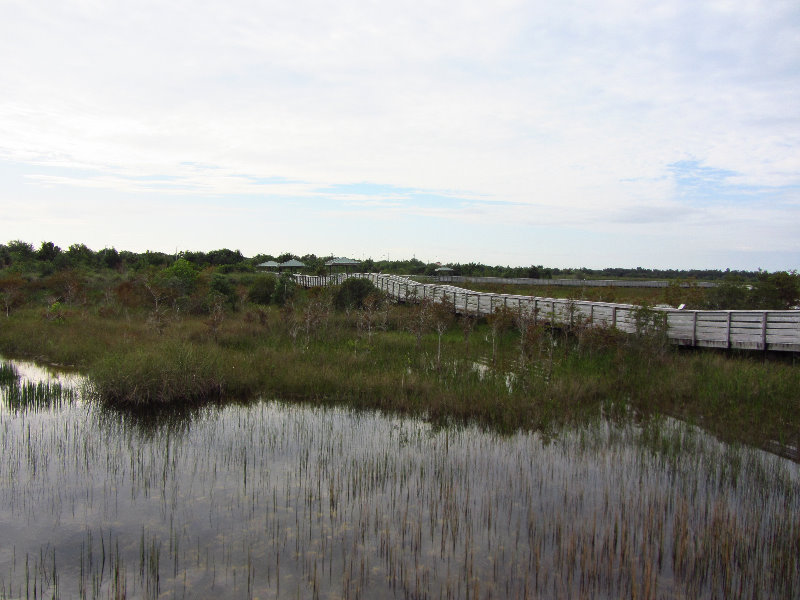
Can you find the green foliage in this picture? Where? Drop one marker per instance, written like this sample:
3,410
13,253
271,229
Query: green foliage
221,286
167,372
771,291
285,289
262,289
729,295
352,293
55,312
48,251
12,290
20,251
181,276
79,255
110,258
224,256
779,290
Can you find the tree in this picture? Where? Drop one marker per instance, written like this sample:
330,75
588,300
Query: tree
48,252
224,256
80,255
110,258
20,252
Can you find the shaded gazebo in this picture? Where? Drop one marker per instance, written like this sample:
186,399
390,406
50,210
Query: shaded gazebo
269,265
443,272
342,262
291,264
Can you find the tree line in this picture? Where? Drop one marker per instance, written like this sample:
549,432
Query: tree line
227,276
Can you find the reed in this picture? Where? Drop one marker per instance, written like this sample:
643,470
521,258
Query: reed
538,377
278,499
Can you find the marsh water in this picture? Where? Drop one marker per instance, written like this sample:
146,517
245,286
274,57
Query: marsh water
275,500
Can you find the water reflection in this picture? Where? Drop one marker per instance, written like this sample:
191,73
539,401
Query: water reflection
276,500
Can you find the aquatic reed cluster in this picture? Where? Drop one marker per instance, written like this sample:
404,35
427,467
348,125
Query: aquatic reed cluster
272,500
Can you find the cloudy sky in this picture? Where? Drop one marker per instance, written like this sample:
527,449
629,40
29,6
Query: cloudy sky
612,133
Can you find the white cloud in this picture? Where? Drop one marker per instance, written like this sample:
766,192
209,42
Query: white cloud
573,109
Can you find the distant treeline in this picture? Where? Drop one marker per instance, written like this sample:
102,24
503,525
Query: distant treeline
48,258
198,282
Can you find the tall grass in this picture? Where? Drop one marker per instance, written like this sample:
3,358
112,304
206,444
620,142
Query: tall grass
275,499
537,380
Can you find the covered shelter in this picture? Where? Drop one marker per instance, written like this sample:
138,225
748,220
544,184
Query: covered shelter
342,262
270,265
291,264
443,272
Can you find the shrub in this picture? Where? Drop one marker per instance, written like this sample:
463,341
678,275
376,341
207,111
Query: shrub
221,286
352,293
262,289
285,289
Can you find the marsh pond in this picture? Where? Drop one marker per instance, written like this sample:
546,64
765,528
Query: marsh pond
276,500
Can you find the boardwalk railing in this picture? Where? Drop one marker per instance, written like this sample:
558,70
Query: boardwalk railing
626,283
744,329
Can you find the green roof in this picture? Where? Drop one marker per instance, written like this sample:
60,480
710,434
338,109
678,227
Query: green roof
342,261
292,263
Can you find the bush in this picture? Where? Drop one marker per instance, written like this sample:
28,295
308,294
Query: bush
285,289
221,286
352,293
262,290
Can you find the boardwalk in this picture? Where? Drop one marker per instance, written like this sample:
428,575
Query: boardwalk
777,330
626,283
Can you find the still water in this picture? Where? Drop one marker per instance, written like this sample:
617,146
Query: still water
275,500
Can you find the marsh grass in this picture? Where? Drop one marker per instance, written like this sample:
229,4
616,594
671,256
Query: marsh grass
560,376
272,499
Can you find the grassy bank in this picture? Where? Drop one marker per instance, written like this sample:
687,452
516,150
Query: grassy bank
489,372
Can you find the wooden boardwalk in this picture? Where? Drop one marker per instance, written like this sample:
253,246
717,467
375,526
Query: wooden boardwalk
777,330
626,283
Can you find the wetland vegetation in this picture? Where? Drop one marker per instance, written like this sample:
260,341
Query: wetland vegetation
423,454
273,500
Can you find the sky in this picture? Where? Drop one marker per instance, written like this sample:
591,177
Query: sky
619,133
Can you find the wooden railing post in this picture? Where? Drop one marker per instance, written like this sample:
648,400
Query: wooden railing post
728,337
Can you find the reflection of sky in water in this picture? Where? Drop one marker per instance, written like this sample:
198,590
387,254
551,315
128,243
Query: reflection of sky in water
36,372
275,500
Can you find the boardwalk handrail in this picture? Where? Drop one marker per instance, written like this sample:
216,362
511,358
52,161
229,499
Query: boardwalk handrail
743,329
626,283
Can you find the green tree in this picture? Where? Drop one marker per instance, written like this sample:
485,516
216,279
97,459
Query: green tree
48,252
110,258
80,255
